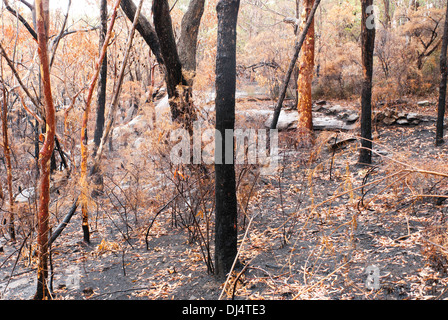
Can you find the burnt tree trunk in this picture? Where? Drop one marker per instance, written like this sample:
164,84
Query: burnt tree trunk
42,21
178,88
226,230
189,37
102,80
442,87
387,13
368,45
179,68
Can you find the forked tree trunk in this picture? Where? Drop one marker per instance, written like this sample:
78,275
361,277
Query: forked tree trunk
178,88
226,230
367,47
189,37
162,42
306,67
42,22
7,154
442,87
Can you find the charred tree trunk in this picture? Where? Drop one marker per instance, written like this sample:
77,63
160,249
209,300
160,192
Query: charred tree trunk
102,81
442,87
189,37
306,67
42,21
162,42
226,230
368,45
178,88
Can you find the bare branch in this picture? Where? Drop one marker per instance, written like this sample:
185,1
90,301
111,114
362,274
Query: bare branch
29,5
16,74
55,42
21,19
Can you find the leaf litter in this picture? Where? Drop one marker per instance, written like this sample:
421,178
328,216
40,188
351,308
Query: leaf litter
332,221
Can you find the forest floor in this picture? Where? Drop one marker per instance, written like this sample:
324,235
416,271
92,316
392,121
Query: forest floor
314,232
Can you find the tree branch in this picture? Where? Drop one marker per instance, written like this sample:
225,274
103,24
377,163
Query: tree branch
144,28
16,74
29,5
22,19
55,42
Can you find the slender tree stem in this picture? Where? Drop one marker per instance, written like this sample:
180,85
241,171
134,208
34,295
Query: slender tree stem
442,87
42,18
85,118
114,103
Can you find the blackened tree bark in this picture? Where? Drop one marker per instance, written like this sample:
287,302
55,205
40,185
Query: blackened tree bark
102,81
145,28
179,69
225,189
442,87
179,91
189,37
368,45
